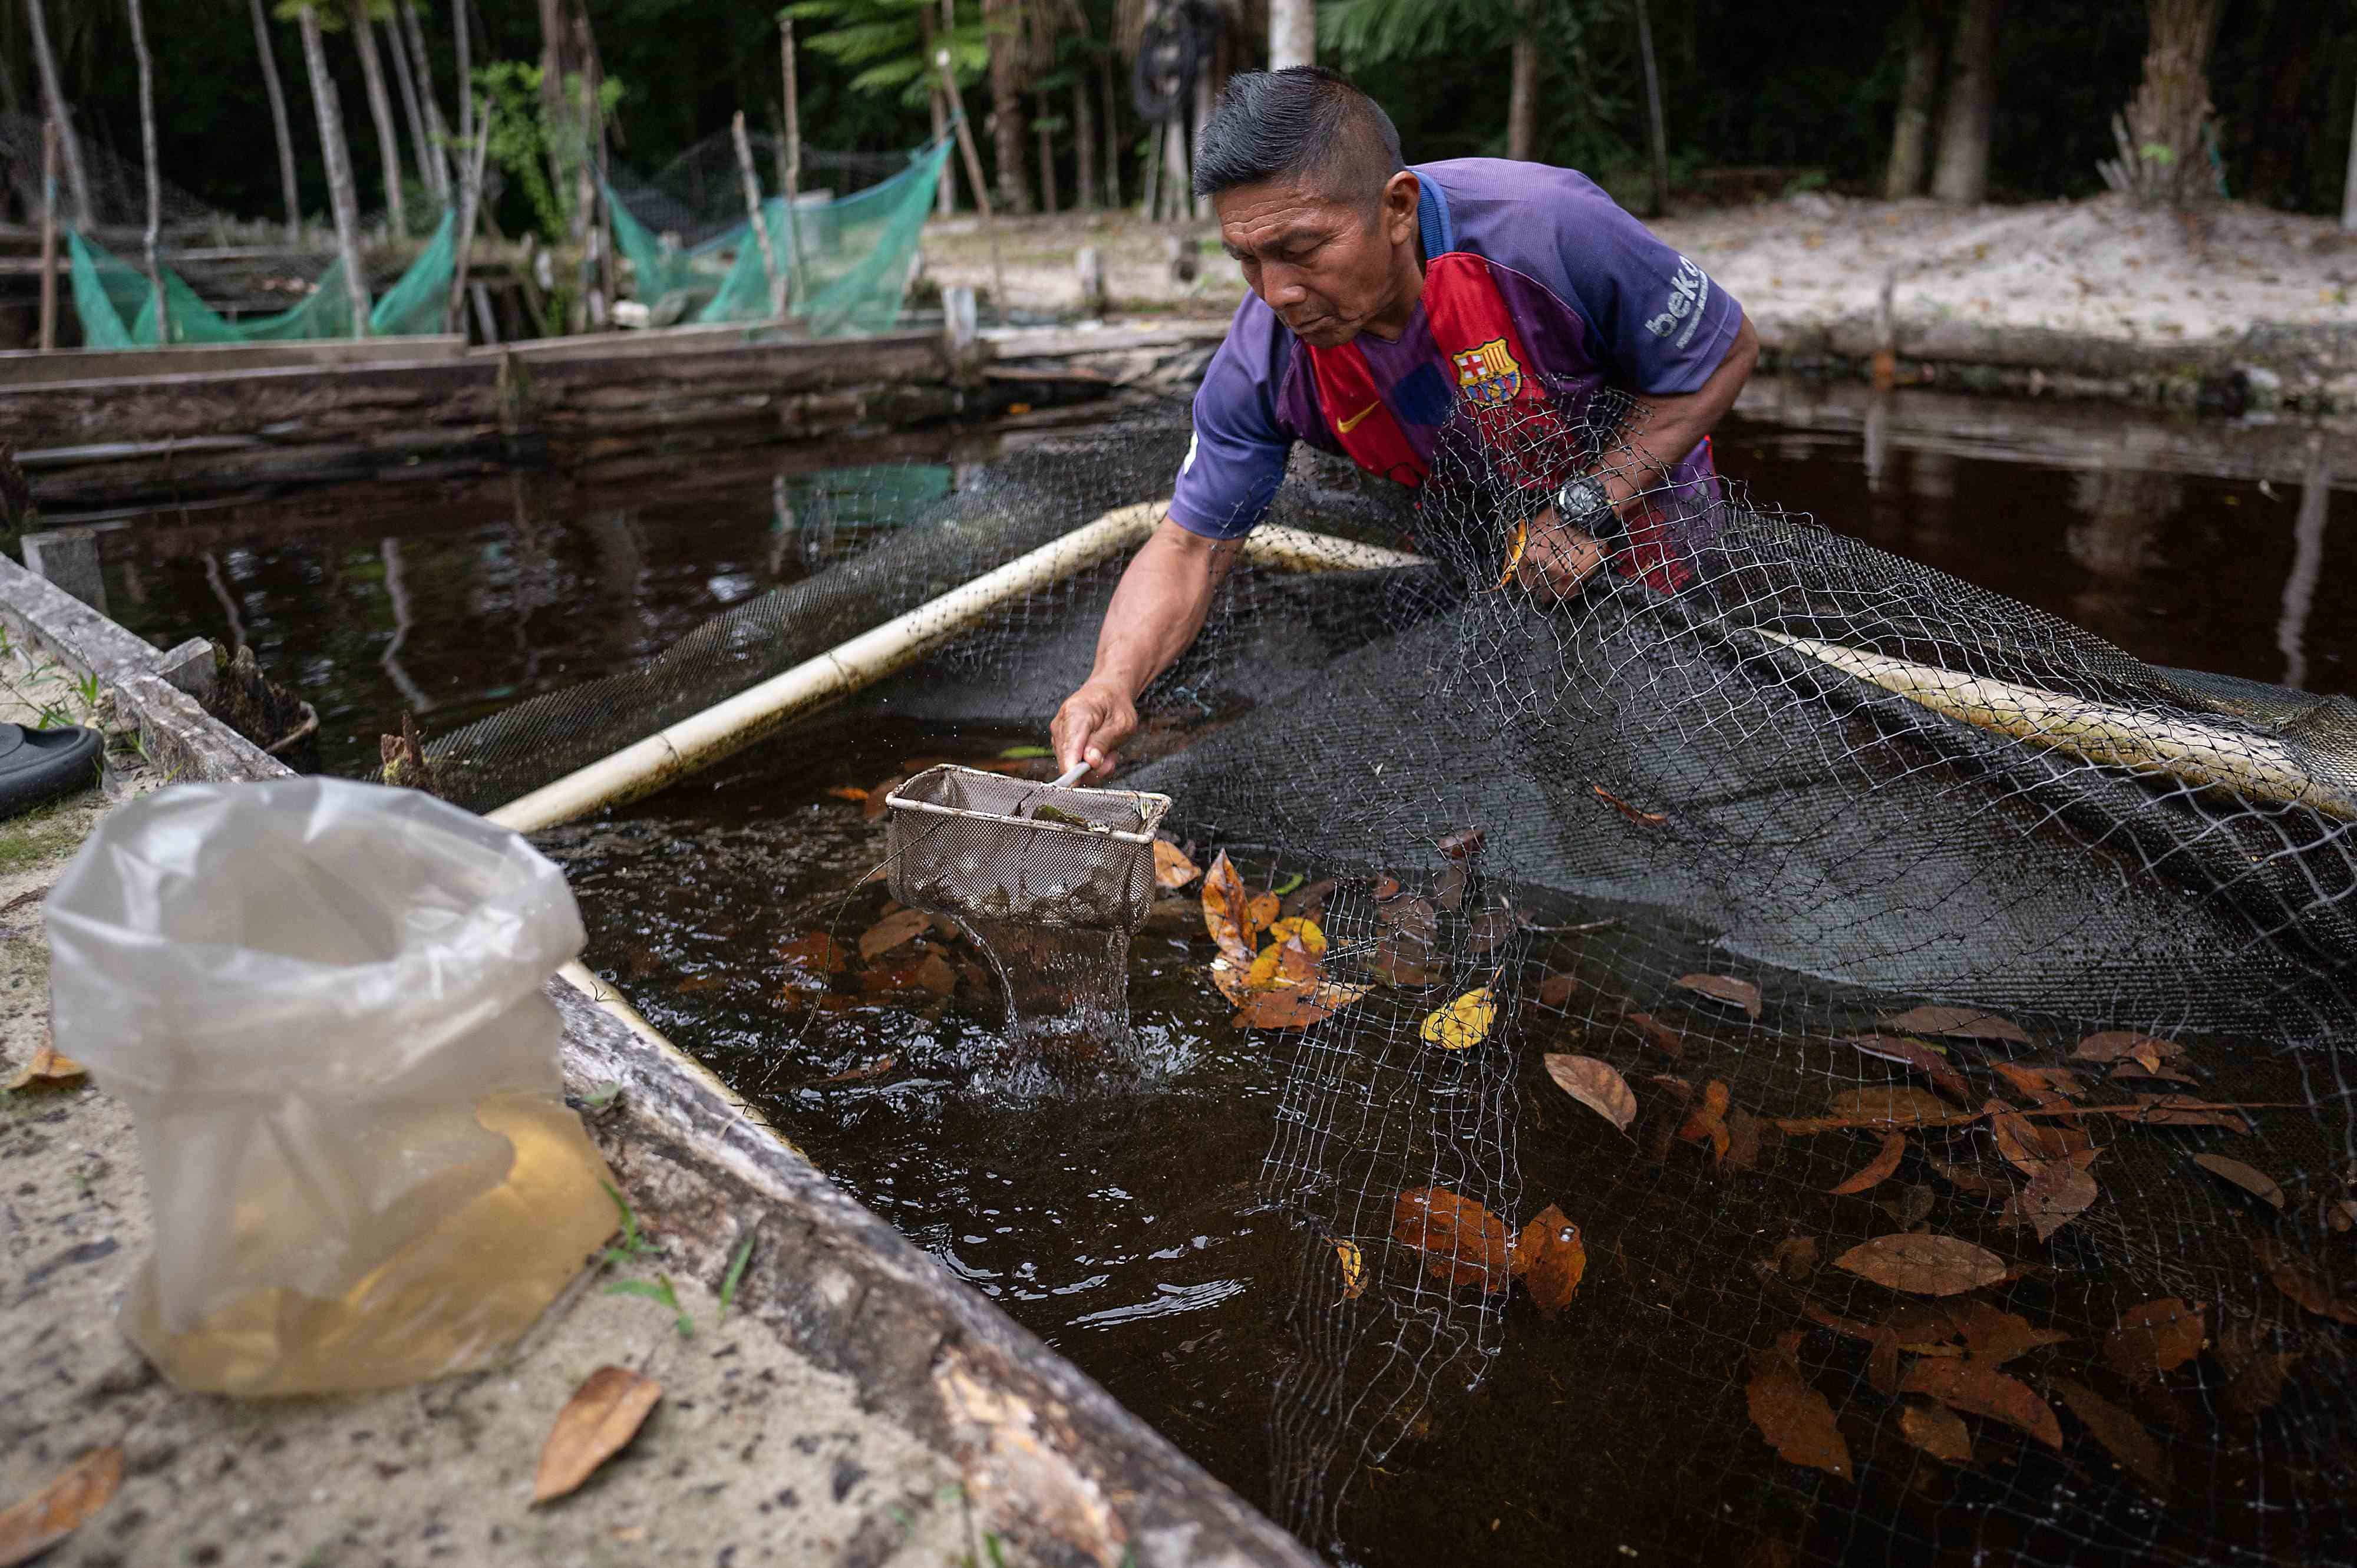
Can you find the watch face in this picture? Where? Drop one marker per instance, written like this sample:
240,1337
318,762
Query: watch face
1582,498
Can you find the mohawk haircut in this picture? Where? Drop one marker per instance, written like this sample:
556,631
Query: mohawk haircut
1304,123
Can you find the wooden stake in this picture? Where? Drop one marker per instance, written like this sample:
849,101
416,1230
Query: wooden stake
341,199
798,282
154,178
49,140
753,211
450,162
945,200
1654,108
470,192
278,122
973,175
46,63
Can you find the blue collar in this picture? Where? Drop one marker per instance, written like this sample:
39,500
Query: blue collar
1434,226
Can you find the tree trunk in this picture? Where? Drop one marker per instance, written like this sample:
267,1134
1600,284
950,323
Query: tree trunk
388,136
155,175
409,44
2349,184
1522,91
421,151
2167,154
1204,89
1112,130
945,199
278,122
1910,134
1292,33
1178,180
1003,17
1961,173
70,145
1047,168
1659,135
466,74
342,199
1084,148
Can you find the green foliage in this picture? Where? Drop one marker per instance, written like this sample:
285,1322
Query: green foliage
1371,32
540,147
886,40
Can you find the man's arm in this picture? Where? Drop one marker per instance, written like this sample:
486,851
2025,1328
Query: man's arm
1557,557
1157,610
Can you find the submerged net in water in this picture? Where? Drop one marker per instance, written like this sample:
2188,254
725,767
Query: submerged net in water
1800,1058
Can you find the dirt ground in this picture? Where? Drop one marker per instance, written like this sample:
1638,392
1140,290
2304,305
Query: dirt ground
2098,272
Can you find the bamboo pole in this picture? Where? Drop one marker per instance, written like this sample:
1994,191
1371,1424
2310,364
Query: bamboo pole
49,140
1653,111
46,64
279,123
945,199
467,116
973,175
388,135
798,282
421,148
155,176
341,199
753,211
721,731
470,193
450,164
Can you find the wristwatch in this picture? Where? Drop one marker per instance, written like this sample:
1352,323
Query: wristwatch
1582,503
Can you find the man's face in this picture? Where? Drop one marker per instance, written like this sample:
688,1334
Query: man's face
1327,267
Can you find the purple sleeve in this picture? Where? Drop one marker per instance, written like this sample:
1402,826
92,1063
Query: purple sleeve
1236,459
1664,322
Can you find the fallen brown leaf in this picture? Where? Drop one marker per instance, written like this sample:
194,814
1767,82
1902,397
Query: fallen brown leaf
1708,1121
1745,1134
1296,1007
2113,1044
603,1414
1876,1170
2120,1433
1551,1258
936,975
1172,869
1956,1024
893,931
1923,1058
1490,929
2184,1111
2161,1071
1923,1265
2298,1278
2256,1370
1671,1043
1937,1431
1724,988
62,1506
2038,1080
1911,1205
1993,1337
2056,1195
849,792
1966,1180
2027,1146
1556,988
874,1068
1901,1104
1462,1242
1642,819
1794,1417
1795,1257
1261,912
1981,1389
2250,1178
1226,905
2154,1337
1290,960
879,799
1464,844
817,953
48,1069
1596,1085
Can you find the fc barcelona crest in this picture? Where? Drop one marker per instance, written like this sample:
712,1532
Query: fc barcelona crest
1487,374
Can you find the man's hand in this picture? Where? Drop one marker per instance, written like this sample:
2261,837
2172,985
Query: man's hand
1091,722
1556,558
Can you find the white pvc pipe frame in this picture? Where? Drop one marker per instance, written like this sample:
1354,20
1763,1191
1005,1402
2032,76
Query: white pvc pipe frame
720,731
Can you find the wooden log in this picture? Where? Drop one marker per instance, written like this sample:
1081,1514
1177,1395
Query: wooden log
799,283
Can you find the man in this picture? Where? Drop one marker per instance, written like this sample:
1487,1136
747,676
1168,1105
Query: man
1382,297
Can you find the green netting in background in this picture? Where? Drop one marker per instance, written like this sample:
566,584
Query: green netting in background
855,253
118,309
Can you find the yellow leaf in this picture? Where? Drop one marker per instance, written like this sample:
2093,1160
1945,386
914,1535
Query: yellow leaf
48,1069
58,1509
1261,913
1225,911
1464,1023
1303,927
1282,963
1354,1269
602,1416
1514,548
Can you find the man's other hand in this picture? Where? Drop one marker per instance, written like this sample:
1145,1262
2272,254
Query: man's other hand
1091,722
1556,558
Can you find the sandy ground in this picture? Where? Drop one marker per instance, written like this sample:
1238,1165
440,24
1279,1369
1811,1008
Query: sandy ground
753,1455
2101,271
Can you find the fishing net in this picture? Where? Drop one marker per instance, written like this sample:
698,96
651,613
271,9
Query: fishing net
1801,1059
693,258
117,305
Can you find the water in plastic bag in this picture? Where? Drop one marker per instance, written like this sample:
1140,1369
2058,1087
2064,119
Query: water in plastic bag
321,1002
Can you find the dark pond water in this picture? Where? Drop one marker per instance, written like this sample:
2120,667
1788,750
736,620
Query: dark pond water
1115,1217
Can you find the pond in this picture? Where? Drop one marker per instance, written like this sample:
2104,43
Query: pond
1119,1217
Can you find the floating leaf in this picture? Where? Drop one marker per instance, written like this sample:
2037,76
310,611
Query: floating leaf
2035,1081
1795,1257
2055,1196
1967,1180
1400,963
893,931
1923,1265
1296,1007
1979,1389
2027,1146
1900,1104
1551,1257
2250,1178
874,1068
603,1414
1642,819
1924,1056
1911,1205
1596,1085
62,1506
1261,912
1462,1242
1286,963
1172,869
817,953
1226,907
2298,1278
48,1069
1993,1337
1877,1169
1745,1133
1229,976
1671,1043
2137,1067
849,792
1556,988
2113,1045
1939,1432
1724,988
2256,1370
2155,1337
1516,543
1957,1023
1794,1417
1464,1023
1312,937
2184,1111
1490,929
2120,1433
1354,1269
1708,1119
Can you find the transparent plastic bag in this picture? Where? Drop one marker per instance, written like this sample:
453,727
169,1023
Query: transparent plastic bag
321,1001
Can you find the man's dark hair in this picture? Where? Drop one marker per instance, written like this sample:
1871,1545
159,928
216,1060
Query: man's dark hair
1304,123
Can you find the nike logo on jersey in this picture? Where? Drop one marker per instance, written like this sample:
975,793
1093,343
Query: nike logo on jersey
1352,424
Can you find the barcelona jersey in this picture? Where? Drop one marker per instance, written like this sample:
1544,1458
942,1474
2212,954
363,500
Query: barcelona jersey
1537,286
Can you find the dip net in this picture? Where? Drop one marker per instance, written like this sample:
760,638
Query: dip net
1794,1057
